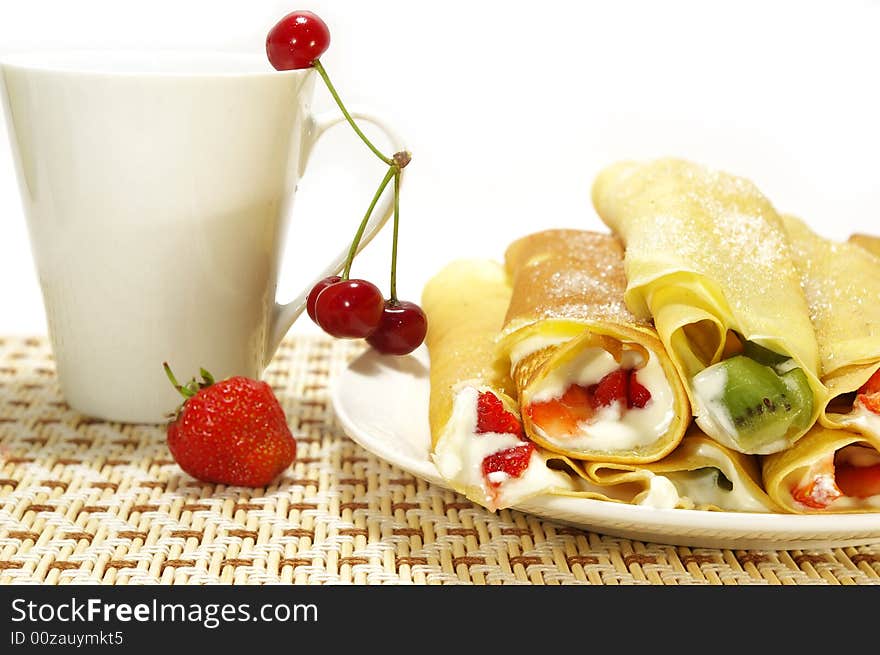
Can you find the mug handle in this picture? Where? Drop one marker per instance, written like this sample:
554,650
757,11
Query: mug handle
284,315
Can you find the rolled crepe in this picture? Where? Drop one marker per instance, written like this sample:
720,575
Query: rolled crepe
707,259
699,474
828,471
477,441
869,243
842,286
593,381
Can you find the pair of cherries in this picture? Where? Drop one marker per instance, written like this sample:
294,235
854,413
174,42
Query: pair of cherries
355,309
342,306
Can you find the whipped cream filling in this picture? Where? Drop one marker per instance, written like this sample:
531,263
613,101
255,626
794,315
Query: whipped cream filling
862,419
660,494
701,486
460,451
711,412
615,427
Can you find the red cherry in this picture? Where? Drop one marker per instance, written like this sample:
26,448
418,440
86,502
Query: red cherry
401,330
318,288
297,40
350,309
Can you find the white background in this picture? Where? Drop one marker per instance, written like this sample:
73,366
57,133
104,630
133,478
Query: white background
510,108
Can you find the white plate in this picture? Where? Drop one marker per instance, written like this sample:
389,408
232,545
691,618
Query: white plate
382,403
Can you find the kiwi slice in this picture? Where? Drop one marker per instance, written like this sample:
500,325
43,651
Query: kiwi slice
756,407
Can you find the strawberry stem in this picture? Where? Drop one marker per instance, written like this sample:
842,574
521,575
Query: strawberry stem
394,237
207,377
392,170
323,73
186,392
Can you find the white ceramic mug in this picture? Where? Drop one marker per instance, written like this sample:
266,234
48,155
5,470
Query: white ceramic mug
157,189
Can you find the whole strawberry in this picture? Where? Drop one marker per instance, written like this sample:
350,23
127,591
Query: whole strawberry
230,432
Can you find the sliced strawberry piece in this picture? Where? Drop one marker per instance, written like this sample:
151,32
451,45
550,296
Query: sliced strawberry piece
819,493
579,402
858,481
611,388
553,418
872,386
637,394
869,395
512,461
560,417
492,417
871,403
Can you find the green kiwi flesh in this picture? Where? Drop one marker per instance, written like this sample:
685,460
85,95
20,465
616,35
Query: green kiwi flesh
754,404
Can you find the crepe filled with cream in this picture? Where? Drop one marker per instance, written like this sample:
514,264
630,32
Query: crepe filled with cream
699,474
477,440
828,471
593,381
842,286
708,260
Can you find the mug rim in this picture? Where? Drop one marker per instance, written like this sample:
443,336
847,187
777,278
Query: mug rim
154,63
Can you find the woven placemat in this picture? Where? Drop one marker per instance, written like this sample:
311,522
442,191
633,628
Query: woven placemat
84,501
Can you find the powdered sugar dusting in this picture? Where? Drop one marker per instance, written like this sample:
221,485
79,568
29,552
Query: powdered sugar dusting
568,274
678,217
842,285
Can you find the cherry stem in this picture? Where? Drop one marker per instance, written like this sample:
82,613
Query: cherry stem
394,237
323,73
392,172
